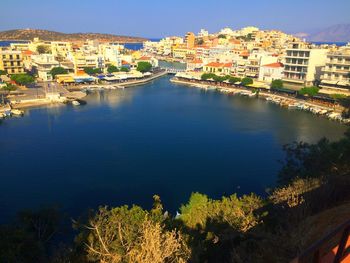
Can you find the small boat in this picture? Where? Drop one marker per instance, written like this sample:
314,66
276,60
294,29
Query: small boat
17,112
75,103
293,106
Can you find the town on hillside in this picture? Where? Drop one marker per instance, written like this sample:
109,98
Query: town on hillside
43,72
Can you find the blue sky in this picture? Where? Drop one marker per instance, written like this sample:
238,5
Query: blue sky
158,18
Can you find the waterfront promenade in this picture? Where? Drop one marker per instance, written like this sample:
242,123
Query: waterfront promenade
262,93
49,94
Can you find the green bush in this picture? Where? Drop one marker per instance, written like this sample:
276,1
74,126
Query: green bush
92,71
277,84
112,69
10,87
124,69
247,81
144,66
58,71
233,80
309,91
23,79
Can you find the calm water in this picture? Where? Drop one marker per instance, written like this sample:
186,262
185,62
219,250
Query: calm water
126,145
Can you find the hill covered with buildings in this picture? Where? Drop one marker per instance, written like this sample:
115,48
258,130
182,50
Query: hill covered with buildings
30,34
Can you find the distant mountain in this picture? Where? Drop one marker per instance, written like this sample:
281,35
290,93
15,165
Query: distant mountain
29,34
337,33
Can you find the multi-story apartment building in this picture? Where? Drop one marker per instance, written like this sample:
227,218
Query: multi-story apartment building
190,39
42,65
61,49
82,61
11,61
336,73
303,63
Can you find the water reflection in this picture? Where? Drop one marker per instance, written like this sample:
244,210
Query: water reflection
112,98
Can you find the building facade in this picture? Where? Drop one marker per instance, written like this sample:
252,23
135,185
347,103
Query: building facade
303,64
336,73
11,61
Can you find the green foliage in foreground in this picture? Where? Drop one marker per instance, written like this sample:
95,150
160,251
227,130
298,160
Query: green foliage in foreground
234,228
309,91
2,72
58,71
144,66
23,79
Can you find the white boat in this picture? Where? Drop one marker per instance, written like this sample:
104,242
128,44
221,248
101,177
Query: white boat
75,103
17,112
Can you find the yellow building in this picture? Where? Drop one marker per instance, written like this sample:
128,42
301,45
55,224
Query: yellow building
218,68
190,40
82,61
11,61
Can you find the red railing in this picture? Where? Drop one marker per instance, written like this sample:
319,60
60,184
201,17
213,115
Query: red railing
333,248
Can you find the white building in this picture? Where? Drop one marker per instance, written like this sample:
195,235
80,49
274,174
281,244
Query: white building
270,72
336,73
303,63
42,64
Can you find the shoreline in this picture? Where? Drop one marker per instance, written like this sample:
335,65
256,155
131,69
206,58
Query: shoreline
44,102
283,101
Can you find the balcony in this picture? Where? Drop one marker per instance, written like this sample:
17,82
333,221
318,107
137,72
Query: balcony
335,70
304,64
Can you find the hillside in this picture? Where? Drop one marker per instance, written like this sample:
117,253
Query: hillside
29,34
337,33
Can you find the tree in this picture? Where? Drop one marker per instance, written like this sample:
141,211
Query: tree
233,80
28,239
92,71
132,235
23,79
10,87
222,36
247,81
309,91
200,42
58,71
206,76
321,160
143,66
43,49
124,69
2,72
112,69
277,84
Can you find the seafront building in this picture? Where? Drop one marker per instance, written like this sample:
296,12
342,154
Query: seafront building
263,55
303,63
336,72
